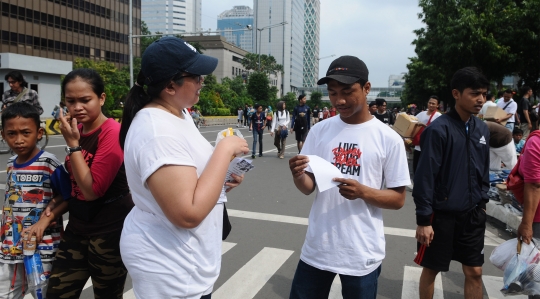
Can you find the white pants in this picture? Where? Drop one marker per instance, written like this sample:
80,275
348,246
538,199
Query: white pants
7,273
505,154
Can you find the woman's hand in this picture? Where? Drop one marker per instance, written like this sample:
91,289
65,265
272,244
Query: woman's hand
69,130
237,181
36,229
238,146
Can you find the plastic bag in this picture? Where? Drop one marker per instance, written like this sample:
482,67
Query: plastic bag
228,132
519,261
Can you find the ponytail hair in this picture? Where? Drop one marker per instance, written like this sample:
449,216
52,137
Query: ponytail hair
137,98
135,101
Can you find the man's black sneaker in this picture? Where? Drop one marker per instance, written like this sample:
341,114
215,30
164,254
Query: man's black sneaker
260,155
252,156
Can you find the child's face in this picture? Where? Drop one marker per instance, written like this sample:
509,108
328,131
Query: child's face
22,135
517,137
81,101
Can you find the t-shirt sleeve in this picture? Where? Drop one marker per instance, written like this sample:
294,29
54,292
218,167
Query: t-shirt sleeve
396,167
531,161
512,108
61,183
161,151
108,159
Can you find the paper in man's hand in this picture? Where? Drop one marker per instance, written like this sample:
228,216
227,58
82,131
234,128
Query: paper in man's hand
324,172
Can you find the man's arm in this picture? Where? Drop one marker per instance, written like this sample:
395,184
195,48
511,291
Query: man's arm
304,181
391,198
531,197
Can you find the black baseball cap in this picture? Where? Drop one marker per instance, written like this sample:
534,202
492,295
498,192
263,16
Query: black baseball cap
347,70
169,56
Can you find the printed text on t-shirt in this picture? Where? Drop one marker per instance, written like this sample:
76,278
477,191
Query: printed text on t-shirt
346,157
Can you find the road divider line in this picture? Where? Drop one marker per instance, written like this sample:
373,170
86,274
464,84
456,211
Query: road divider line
335,289
252,277
490,239
411,280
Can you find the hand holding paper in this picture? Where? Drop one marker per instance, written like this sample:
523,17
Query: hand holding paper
324,172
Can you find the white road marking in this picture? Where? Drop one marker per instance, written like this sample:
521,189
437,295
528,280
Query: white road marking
411,280
490,239
250,279
493,284
335,290
226,246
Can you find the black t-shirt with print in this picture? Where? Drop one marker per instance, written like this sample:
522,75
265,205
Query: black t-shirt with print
386,117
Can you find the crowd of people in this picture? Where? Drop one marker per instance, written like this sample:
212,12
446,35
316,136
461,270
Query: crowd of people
147,196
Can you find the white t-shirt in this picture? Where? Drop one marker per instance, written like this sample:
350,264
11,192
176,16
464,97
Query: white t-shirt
280,118
347,236
511,108
165,260
423,117
486,105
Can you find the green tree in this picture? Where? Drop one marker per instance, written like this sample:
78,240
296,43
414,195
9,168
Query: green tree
258,88
268,63
290,100
315,99
114,80
472,33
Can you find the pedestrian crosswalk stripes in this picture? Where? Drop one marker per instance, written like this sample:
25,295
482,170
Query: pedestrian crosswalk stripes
248,281
411,280
255,274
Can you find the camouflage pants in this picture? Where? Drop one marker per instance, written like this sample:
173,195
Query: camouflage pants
79,258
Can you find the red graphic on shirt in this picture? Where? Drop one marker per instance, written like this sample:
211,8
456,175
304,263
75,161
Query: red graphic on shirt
346,157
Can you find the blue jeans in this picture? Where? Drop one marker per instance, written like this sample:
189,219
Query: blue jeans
312,283
255,133
209,296
510,126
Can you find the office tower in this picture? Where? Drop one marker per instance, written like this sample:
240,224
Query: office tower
233,26
312,22
285,42
172,16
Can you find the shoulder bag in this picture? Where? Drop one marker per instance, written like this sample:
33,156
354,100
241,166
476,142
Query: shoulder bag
416,138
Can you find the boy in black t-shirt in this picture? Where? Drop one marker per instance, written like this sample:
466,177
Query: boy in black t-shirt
382,114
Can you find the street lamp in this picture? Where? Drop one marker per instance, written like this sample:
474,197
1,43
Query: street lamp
259,38
326,57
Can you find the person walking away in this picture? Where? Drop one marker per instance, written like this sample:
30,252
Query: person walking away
369,154
510,107
300,122
315,113
450,188
382,113
240,114
258,123
19,92
250,113
489,103
100,198
502,150
426,117
332,111
20,219
171,239
519,142
268,112
56,115
280,123
524,111
246,118
326,113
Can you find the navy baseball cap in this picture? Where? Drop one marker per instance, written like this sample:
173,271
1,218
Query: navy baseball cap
347,70
169,56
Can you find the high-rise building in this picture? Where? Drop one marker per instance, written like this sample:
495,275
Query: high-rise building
286,42
172,16
312,22
42,38
233,24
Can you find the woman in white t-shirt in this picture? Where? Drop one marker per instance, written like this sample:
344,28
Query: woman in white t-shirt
171,239
280,123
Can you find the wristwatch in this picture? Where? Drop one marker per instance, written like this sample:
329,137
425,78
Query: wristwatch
71,150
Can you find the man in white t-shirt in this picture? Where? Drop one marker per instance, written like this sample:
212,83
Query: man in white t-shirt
346,233
425,117
489,103
510,107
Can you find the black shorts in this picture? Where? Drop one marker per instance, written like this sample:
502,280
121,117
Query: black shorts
458,237
301,135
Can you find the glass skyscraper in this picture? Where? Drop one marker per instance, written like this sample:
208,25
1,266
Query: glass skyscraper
172,16
311,42
233,23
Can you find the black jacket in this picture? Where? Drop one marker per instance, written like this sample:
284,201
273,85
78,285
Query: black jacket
453,170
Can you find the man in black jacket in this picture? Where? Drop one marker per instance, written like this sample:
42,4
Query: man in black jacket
450,188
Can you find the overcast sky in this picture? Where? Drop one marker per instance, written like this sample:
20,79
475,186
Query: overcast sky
378,32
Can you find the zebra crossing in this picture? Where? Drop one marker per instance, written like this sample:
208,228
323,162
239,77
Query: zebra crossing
251,277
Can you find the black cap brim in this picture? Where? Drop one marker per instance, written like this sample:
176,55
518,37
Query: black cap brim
340,78
203,65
